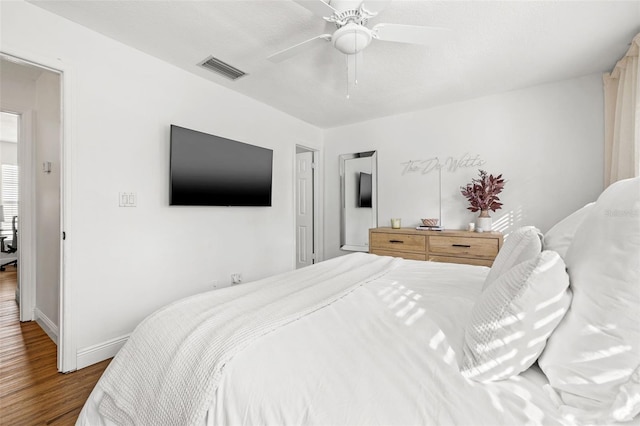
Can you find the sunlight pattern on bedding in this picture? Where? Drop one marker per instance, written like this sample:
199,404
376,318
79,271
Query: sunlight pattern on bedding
592,358
373,366
366,360
514,316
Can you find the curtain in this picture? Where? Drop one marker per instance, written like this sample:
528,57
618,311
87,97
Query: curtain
622,118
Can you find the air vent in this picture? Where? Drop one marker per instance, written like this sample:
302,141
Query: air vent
222,68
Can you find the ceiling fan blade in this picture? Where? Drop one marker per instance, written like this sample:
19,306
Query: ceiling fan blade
289,52
318,7
374,6
410,33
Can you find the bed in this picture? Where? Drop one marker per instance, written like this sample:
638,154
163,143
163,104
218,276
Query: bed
368,340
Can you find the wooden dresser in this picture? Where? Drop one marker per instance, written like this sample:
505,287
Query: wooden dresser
473,248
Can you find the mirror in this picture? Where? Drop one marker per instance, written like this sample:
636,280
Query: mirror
359,199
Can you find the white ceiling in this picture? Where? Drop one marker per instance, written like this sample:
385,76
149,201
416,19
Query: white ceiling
494,47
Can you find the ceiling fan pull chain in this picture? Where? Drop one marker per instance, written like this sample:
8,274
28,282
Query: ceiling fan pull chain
355,59
347,67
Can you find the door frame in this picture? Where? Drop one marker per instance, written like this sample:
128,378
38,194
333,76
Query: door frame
26,185
318,217
66,350
26,215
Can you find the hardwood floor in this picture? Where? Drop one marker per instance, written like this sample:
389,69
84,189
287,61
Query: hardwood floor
32,392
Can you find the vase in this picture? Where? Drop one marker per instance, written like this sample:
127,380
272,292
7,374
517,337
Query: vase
484,221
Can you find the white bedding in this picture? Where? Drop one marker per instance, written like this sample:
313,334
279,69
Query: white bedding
170,367
385,353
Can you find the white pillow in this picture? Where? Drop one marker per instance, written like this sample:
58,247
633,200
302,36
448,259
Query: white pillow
513,318
591,358
521,245
559,237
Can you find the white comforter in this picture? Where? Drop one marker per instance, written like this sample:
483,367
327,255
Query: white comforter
385,353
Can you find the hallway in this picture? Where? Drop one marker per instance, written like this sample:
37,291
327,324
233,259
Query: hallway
32,392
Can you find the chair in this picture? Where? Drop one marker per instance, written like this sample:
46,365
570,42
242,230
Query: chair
10,248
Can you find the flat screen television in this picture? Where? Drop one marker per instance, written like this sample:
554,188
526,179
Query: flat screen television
365,189
208,170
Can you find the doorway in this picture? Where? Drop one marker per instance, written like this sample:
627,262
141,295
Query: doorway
9,133
33,95
307,206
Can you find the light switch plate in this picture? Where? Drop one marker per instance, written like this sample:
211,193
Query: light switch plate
127,199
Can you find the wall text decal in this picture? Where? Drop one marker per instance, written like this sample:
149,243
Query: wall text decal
449,164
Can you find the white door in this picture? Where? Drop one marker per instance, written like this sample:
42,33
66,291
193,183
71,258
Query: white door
304,209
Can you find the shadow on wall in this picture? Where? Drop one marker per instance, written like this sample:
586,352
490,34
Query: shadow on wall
510,221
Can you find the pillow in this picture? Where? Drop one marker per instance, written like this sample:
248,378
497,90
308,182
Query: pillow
591,358
559,237
513,318
522,244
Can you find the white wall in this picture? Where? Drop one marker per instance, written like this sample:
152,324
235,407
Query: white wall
547,141
124,263
47,197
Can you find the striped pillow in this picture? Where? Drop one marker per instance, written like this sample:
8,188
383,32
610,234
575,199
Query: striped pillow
522,244
513,318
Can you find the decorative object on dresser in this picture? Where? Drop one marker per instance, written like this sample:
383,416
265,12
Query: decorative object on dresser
430,225
482,194
438,246
429,222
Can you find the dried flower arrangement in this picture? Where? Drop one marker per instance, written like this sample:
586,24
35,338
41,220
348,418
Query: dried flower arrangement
482,192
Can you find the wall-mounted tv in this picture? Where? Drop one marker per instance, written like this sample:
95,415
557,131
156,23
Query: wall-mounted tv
365,190
208,170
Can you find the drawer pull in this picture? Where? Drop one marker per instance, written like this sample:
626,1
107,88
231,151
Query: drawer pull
461,245
396,241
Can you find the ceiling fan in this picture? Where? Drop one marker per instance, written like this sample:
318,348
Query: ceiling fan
352,35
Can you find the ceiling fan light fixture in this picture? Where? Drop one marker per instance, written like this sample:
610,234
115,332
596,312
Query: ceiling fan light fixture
351,38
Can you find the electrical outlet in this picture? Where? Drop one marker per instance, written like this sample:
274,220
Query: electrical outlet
236,278
215,284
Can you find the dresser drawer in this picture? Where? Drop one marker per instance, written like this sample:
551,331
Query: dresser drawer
451,246
484,248
463,260
404,255
399,242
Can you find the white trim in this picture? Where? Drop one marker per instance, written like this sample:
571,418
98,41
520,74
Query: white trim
96,353
27,217
67,346
318,206
67,352
46,324
318,192
26,185
27,235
